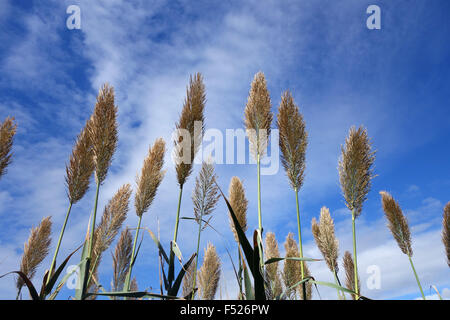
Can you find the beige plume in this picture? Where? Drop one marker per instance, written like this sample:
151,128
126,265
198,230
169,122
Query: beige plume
293,140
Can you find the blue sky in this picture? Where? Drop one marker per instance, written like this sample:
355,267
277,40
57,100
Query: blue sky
394,81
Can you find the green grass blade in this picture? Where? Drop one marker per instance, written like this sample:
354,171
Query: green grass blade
260,292
51,282
335,286
158,244
246,247
176,285
273,260
131,294
249,292
33,293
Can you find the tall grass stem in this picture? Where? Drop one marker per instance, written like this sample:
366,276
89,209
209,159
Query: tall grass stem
355,260
178,214
417,278
302,268
52,266
91,238
133,252
259,194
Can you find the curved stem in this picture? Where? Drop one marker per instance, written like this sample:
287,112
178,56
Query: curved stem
355,261
52,266
417,278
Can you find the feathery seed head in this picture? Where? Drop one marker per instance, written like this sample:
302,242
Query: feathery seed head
397,223
350,273
7,132
192,115
209,274
112,219
35,250
293,140
258,116
271,272
446,231
80,168
103,132
188,280
151,177
292,269
239,203
206,194
121,260
355,168
325,238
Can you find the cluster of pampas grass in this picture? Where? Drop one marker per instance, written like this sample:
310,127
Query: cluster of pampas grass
262,272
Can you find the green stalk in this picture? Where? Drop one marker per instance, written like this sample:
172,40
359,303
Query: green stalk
52,266
299,232
259,195
417,278
178,215
355,261
91,238
133,252
341,295
300,243
241,259
85,274
196,258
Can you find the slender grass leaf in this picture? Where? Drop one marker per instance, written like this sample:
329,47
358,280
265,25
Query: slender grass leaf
235,272
132,294
437,291
177,251
33,293
54,277
273,260
246,247
306,279
206,222
335,286
249,292
176,285
191,294
171,273
62,282
44,281
158,244
260,293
